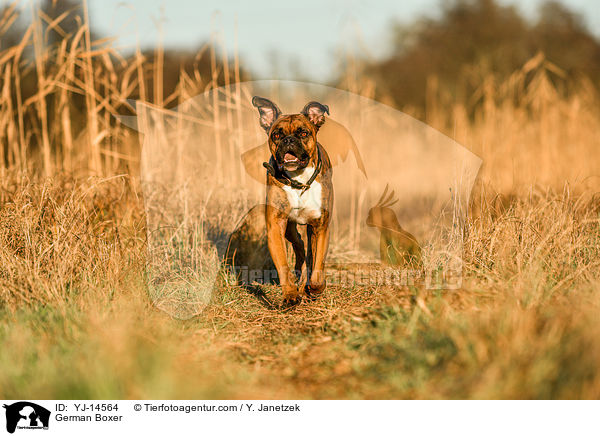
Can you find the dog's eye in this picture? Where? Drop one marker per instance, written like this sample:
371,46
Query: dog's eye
303,134
275,136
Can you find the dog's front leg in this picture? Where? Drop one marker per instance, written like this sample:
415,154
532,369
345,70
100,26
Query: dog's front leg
276,226
319,242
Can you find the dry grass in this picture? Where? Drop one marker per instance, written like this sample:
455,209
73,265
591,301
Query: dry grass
76,320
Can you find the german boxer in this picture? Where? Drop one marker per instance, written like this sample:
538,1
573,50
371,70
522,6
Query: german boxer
299,191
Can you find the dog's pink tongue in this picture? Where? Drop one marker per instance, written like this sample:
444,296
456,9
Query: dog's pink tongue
289,157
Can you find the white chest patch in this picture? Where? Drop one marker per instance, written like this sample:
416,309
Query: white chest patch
304,206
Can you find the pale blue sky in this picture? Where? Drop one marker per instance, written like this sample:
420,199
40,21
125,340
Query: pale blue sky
307,33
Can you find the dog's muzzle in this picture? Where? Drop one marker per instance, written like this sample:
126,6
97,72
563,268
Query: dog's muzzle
291,154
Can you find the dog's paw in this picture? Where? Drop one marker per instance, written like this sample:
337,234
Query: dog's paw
289,302
291,296
317,285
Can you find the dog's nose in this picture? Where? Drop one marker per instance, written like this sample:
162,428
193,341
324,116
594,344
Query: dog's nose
288,140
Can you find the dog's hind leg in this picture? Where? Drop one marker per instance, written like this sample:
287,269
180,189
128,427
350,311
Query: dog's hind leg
292,235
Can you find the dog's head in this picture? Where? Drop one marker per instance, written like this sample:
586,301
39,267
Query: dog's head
292,138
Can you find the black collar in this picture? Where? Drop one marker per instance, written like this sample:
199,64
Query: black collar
283,178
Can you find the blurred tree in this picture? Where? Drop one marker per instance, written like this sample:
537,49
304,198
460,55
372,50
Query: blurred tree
473,38
562,35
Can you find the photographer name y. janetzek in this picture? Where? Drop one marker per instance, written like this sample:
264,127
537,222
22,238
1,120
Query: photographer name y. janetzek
279,408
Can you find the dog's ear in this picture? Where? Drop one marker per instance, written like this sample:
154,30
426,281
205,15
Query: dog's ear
267,110
315,112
